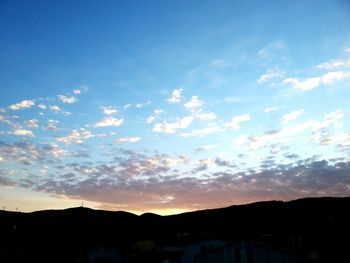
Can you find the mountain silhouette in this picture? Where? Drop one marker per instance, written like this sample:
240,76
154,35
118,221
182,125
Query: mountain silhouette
316,229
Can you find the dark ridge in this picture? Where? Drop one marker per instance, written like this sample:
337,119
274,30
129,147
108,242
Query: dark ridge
309,225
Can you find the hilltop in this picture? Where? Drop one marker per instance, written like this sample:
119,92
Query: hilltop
311,224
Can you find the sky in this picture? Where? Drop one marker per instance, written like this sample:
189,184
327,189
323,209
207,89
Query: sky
172,106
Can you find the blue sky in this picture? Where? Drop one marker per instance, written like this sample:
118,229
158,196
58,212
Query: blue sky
171,106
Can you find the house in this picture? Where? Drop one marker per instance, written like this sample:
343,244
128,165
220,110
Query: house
247,251
105,254
188,251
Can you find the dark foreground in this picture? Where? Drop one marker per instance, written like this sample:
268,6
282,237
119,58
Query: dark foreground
305,230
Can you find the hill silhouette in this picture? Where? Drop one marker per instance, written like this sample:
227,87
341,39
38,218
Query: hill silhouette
310,226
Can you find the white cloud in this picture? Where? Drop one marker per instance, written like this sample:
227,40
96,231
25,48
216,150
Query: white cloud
334,64
304,85
127,106
270,109
205,148
333,119
23,133
170,128
175,96
241,140
314,82
269,75
236,120
55,108
33,123
334,76
109,121
66,99
150,119
24,104
141,105
154,117
209,116
291,116
201,132
128,139
42,106
109,110
77,91
52,125
76,136
194,104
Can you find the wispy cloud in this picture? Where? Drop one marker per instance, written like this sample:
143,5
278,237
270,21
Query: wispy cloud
52,125
205,148
172,127
68,100
291,116
313,82
76,136
154,117
334,64
33,123
109,110
128,139
269,75
236,121
42,106
201,132
206,116
175,96
143,104
270,109
24,104
109,121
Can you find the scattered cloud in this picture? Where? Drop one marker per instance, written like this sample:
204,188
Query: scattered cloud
52,125
42,106
194,104
24,104
201,132
33,123
334,64
291,116
24,133
269,75
144,104
76,136
109,110
54,108
65,99
154,117
270,109
127,106
172,127
205,148
208,116
77,91
236,120
311,83
128,139
175,96
241,140
109,121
